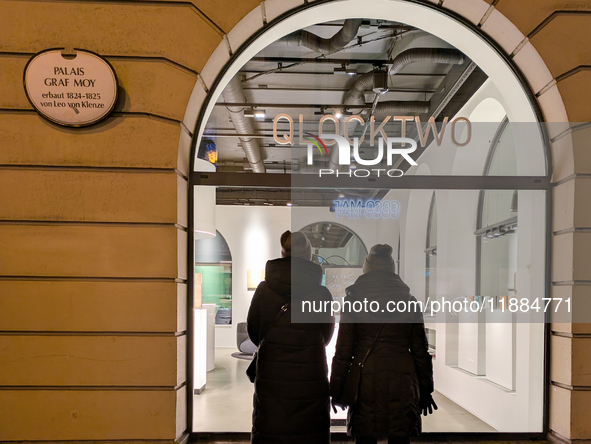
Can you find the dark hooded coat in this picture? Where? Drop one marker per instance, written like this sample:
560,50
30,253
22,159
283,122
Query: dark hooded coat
399,367
291,402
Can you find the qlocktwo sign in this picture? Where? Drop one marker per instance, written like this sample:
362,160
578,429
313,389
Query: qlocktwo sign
77,89
394,146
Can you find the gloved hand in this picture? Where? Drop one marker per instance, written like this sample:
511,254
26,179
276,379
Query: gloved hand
334,406
427,404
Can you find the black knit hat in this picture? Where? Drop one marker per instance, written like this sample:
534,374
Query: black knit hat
379,259
296,245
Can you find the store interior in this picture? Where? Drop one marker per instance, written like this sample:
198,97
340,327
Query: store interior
448,242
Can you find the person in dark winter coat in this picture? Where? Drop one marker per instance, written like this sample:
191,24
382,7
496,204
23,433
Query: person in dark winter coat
397,379
291,401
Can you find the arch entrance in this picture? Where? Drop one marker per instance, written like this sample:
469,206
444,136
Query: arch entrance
384,70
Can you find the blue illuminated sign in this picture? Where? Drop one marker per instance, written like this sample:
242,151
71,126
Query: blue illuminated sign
369,209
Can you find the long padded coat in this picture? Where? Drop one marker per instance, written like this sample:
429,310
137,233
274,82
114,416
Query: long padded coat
291,402
398,368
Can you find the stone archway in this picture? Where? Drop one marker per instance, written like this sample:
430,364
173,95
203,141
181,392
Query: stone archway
516,42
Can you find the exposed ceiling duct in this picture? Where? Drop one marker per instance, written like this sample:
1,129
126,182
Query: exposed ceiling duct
415,92
356,95
233,94
367,81
326,46
391,107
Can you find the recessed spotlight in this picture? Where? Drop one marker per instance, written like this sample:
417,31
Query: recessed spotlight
288,204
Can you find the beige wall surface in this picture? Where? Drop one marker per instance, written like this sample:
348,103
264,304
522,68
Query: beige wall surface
93,221
93,227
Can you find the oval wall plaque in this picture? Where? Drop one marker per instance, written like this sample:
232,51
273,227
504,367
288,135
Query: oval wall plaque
72,90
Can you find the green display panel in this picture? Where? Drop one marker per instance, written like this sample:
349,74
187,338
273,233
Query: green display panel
217,289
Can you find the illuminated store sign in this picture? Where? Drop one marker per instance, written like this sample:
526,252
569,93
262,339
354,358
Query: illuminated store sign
71,90
399,146
370,209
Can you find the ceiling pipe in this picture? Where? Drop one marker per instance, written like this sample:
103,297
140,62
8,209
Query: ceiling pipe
356,95
392,107
325,46
233,94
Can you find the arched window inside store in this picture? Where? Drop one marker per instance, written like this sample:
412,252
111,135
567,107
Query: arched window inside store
496,259
340,252
496,226
334,244
213,276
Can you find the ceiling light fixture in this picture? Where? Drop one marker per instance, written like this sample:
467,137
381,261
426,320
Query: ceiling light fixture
345,70
256,113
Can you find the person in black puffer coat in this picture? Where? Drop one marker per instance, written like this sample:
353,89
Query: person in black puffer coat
397,379
291,402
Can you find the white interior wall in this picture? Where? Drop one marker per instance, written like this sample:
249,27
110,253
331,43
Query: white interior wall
252,234
458,263
500,349
515,352
413,260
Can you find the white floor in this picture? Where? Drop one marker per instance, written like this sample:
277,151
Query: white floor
226,403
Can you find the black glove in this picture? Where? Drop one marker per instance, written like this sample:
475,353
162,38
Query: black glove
334,406
426,404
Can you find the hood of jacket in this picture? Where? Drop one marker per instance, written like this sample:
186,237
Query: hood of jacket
287,275
383,287
378,282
